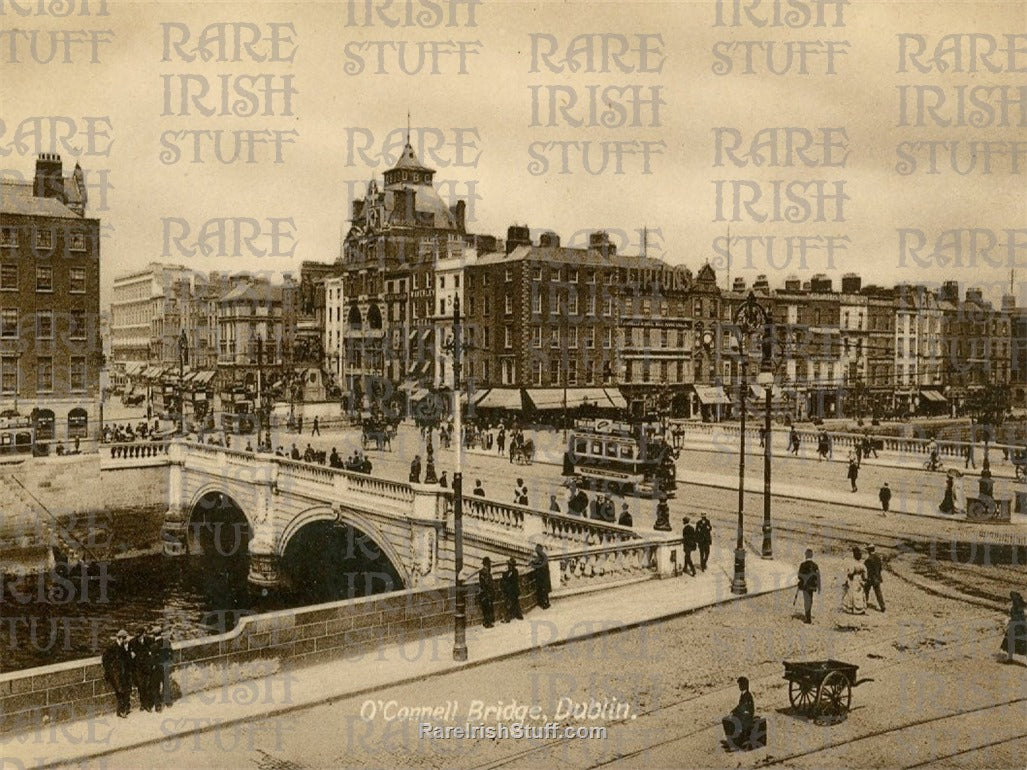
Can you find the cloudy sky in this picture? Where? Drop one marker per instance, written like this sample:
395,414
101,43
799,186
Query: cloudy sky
569,116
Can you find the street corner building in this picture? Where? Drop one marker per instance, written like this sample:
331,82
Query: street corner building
50,356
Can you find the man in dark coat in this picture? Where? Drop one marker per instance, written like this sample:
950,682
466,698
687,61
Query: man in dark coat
487,593
874,577
885,496
688,545
540,567
704,538
117,670
511,585
161,670
738,726
139,647
809,581
625,519
479,490
415,470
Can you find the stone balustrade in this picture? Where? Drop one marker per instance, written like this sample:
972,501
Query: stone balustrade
564,530
594,567
503,516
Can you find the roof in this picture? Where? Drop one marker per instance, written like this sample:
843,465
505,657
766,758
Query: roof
255,292
576,256
18,198
426,199
408,160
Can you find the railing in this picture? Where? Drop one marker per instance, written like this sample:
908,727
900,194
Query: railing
564,529
897,444
607,564
312,472
495,514
369,485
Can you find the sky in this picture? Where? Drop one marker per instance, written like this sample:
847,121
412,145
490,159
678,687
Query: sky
564,116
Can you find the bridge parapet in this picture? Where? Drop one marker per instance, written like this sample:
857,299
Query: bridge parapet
134,454
615,563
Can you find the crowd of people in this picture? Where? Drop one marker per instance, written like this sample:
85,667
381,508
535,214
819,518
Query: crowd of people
510,587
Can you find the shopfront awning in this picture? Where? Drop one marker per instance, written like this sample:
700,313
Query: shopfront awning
203,376
711,394
134,368
501,398
932,395
152,372
592,396
616,398
546,398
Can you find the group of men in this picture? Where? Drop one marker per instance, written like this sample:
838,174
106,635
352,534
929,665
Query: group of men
142,662
509,585
700,536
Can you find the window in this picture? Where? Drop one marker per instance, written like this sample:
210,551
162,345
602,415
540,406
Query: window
507,337
77,373
572,276
554,338
44,324
591,276
8,236
9,277
572,303
664,338
609,279
508,372
608,339
537,372
536,334
591,308
536,273
590,337
8,374
442,282
44,278
572,337
590,372
508,275
537,303
508,304
608,307
9,323
44,375
554,372
572,373
645,338
44,239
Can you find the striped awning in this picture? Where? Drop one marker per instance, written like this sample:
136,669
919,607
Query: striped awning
501,398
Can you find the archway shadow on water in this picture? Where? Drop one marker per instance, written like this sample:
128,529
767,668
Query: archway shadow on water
328,561
217,566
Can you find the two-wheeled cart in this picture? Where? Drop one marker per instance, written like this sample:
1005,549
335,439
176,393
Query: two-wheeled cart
821,688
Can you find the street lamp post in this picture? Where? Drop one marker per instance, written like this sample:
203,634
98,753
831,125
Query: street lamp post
749,318
766,379
183,352
460,607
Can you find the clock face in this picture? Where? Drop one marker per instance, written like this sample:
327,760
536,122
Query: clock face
707,339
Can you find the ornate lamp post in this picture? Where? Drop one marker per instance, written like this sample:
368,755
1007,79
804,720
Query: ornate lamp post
460,606
183,354
749,317
766,379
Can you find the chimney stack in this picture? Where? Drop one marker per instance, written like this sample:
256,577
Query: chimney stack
49,182
851,283
517,235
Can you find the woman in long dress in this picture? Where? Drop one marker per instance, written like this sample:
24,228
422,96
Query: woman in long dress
1014,641
854,601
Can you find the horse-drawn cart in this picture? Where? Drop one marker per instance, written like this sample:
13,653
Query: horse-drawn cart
822,688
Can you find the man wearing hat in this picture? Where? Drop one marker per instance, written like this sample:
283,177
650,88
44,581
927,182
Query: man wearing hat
885,497
511,584
160,673
688,545
704,538
809,581
874,578
117,670
486,593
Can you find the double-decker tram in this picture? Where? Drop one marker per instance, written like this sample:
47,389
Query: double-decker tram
621,458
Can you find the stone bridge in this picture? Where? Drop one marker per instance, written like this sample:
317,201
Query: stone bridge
410,525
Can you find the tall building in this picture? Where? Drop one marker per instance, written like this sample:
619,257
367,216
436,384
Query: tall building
977,342
398,235
880,344
146,314
50,355
334,324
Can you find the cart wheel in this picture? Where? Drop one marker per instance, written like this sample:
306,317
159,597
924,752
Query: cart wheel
801,694
835,696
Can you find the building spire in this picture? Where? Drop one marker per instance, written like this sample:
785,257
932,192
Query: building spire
408,126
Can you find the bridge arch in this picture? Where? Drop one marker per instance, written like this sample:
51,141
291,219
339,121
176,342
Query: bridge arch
346,540
216,519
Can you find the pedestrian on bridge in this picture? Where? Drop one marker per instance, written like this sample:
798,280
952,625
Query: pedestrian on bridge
793,441
540,568
511,584
625,519
1014,640
853,473
704,538
554,506
316,429
487,593
415,470
521,493
479,490
688,545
